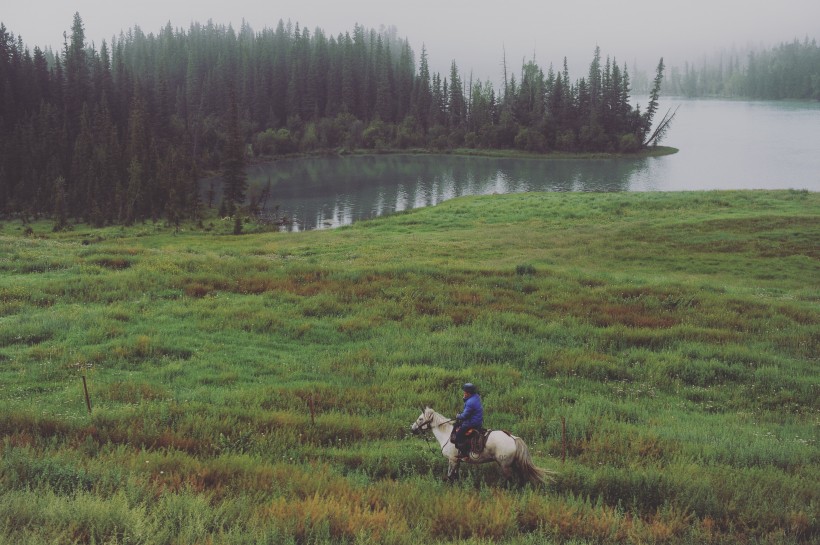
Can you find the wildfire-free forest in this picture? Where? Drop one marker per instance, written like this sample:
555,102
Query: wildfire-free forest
121,134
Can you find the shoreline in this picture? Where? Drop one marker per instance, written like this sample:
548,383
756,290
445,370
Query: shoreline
657,151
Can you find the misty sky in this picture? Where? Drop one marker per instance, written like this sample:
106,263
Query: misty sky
473,33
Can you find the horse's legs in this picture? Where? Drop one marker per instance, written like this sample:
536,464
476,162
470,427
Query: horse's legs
452,470
506,469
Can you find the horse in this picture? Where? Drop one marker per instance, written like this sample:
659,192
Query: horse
508,451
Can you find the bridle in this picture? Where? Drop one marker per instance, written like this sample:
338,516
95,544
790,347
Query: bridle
429,423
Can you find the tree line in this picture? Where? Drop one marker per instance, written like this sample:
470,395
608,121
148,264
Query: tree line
122,133
790,70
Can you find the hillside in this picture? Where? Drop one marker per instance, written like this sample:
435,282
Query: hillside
259,388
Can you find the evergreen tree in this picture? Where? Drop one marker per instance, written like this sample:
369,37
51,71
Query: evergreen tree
348,87
132,207
423,94
652,107
384,105
405,74
134,193
76,75
60,213
233,173
82,170
456,109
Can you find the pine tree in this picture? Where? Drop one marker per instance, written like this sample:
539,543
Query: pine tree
405,74
233,172
133,201
348,87
456,109
76,75
423,95
384,105
652,107
82,172
134,192
318,78
59,211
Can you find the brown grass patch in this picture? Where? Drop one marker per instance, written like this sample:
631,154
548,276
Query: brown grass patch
113,263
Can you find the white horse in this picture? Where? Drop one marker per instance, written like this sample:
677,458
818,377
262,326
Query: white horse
508,451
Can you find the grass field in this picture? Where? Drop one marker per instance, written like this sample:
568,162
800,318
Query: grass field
677,334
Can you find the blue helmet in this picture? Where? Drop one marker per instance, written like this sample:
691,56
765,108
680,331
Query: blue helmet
469,388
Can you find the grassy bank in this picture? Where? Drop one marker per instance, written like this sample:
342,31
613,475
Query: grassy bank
676,334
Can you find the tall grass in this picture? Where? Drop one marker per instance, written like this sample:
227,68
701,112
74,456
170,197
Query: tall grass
259,388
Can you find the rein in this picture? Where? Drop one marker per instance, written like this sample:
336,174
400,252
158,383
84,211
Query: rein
429,424
432,450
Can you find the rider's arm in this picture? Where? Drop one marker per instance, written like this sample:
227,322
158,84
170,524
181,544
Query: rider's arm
469,410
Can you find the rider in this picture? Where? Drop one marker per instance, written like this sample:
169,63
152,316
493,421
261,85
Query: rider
471,417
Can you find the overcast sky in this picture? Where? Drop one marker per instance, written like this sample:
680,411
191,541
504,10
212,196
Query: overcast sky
473,33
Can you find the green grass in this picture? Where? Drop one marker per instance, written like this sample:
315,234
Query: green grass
675,333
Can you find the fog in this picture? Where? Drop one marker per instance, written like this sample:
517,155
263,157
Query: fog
474,33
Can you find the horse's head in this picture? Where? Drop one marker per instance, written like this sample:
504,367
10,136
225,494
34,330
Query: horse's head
423,422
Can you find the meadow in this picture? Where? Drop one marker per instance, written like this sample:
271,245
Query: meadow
259,388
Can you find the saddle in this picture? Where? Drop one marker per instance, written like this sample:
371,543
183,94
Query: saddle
476,438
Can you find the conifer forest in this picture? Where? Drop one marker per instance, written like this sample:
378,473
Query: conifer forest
122,132
790,70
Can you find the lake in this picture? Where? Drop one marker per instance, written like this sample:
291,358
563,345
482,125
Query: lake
724,144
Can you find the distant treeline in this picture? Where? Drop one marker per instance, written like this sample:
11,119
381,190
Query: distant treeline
122,133
788,71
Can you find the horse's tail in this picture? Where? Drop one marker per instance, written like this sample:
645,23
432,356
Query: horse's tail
525,467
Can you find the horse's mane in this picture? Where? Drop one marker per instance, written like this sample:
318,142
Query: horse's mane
436,419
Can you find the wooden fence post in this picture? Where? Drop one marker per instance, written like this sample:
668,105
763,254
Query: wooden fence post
87,399
563,439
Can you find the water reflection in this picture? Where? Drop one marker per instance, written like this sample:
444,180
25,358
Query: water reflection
332,191
724,145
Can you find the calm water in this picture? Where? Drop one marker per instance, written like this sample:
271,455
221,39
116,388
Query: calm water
723,145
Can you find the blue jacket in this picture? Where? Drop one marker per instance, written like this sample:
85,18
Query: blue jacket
473,414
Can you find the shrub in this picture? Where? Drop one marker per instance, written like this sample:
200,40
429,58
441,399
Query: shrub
377,135
629,143
524,269
566,141
529,139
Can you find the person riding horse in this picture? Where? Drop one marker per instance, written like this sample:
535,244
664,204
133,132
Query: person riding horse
472,417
